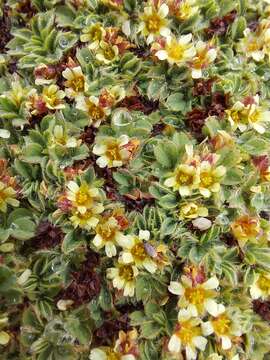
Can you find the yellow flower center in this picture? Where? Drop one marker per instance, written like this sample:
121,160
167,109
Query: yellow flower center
126,272
106,231
138,252
264,283
83,196
77,84
255,116
95,112
191,210
108,52
253,46
184,178
95,33
3,196
113,151
175,51
111,355
187,332
185,11
221,324
206,179
195,296
153,23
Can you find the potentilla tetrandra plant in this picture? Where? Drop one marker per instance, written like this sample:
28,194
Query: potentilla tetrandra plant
135,180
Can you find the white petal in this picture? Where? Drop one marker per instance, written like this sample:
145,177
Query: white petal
185,39
102,161
213,308
200,342
73,186
97,241
144,235
226,342
174,344
176,288
124,139
98,354
207,328
196,73
99,149
164,31
150,266
211,283
190,353
126,28
163,11
161,54
127,257
110,249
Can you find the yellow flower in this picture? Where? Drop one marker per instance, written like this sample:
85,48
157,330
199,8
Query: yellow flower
89,219
225,326
187,336
185,179
192,211
136,251
124,277
186,9
127,342
53,97
111,151
91,106
107,53
7,197
197,298
93,34
76,82
154,22
246,228
210,178
260,287
177,51
107,353
108,235
205,55
60,137
258,116
252,45
238,116
84,197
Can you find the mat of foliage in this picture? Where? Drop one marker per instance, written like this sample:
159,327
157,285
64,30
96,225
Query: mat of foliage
134,180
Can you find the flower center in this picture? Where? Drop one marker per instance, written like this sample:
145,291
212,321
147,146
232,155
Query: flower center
138,252
108,52
111,355
183,178
187,332
83,197
175,51
206,179
126,272
77,83
195,296
106,231
264,283
113,152
221,324
153,23
95,112
95,33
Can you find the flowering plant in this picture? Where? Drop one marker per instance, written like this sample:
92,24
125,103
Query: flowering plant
134,180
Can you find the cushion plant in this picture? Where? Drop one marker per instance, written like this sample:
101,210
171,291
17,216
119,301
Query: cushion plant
134,180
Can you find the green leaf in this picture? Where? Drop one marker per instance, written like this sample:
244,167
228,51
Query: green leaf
175,102
166,154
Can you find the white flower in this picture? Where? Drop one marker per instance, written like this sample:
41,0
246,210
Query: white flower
111,151
154,23
124,277
260,287
135,251
197,298
75,83
177,51
188,336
